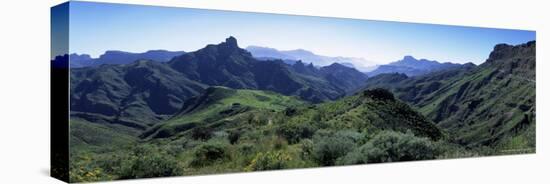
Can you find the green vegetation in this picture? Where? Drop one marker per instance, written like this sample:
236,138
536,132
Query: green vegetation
147,161
227,130
465,112
221,107
389,146
328,148
269,161
209,153
491,105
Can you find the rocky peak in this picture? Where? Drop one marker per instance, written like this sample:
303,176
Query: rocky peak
408,58
231,42
504,52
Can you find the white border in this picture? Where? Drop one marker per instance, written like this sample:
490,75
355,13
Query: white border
24,95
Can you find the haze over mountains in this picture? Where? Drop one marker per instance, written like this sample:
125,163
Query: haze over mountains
408,65
411,66
310,57
121,57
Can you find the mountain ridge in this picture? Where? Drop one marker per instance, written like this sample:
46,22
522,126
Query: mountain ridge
120,57
145,92
308,57
412,66
497,96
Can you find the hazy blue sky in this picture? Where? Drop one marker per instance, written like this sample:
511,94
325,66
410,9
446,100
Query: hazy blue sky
97,27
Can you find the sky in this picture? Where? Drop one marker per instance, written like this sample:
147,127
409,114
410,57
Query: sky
97,27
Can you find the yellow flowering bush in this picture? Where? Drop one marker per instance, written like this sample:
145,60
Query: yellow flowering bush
269,160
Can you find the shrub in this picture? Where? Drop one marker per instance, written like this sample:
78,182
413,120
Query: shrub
290,111
294,132
234,136
278,143
246,148
307,148
326,149
147,161
209,152
201,133
269,161
452,150
84,169
379,94
389,146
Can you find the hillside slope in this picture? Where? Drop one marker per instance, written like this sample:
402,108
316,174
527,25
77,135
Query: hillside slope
226,64
144,92
222,107
489,105
137,95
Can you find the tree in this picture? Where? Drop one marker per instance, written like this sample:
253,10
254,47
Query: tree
294,132
390,146
328,148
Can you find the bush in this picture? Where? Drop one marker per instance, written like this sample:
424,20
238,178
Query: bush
269,161
84,169
327,149
379,94
201,133
290,111
390,146
294,132
452,150
307,148
234,136
278,143
147,161
209,153
246,148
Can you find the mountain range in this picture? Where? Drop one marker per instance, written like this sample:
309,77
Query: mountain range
309,57
221,109
411,66
145,92
408,65
492,104
121,57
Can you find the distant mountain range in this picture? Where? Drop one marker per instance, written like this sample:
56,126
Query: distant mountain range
309,57
121,57
411,66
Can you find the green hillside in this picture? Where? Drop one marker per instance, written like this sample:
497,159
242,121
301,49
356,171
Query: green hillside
150,119
228,130
489,105
136,95
86,135
221,107
144,93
